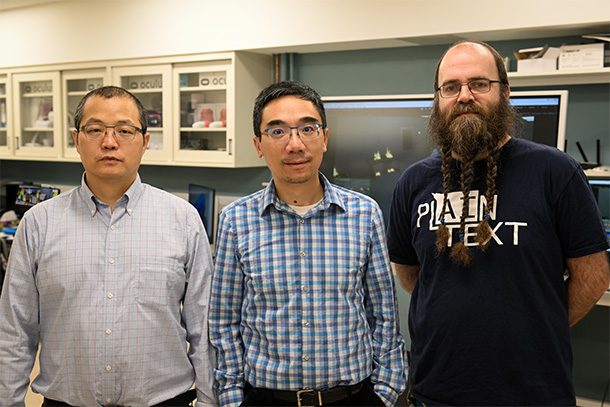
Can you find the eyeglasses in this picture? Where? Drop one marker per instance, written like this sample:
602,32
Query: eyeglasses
122,132
307,132
453,89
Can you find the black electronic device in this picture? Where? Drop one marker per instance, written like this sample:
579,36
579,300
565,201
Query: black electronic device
203,199
30,195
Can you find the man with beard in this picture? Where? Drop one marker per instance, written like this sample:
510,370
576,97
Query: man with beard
481,235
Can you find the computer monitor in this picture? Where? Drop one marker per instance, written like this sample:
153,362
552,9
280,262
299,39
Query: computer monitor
203,199
30,195
544,116
373,139
601,190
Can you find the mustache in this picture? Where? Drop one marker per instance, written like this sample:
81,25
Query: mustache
462,108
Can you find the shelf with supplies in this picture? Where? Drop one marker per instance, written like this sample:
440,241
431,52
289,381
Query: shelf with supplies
566,77
198,107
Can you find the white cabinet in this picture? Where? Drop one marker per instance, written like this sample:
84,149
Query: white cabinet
199,107
5,148
76,84
37,115
213,102
151,84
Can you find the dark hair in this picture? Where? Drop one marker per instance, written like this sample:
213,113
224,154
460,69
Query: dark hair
109,92
281,89
503,76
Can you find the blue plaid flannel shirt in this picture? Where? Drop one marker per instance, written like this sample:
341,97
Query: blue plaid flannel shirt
304,301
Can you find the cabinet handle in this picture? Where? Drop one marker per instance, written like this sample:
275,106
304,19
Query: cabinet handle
230,146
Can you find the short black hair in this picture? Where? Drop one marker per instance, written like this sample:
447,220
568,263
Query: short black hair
281,89
109,92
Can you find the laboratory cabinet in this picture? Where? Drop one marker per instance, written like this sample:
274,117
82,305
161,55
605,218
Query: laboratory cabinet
37,125
198,107
76,84
4,122
151,84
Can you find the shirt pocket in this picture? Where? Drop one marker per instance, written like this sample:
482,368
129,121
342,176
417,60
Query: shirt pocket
159,281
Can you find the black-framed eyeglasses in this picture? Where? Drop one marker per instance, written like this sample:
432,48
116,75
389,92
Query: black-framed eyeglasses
477,86
122,132
307,132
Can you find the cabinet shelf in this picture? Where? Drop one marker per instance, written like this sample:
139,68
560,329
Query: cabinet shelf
38,95
201,88
36,129
579,77
143,91
203,129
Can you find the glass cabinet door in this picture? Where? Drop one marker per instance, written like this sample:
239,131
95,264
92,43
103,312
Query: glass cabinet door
151,85
201,95
37,115
76,85
4,137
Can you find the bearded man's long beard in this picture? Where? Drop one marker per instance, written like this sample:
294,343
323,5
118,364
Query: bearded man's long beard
470,137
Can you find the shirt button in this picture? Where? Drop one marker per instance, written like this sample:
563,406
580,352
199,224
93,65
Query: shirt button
108,368
306,323
112,227
110,295
304,288
108,400
301,220
306,358
108,331
302,254
129,210
111,261
93,212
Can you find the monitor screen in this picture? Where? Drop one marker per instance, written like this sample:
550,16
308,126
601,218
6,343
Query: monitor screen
601,190
373,139
29,195
203,199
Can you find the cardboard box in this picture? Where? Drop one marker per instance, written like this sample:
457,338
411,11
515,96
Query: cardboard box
584,56
538,59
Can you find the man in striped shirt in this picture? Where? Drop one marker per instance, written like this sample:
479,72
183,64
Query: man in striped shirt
303,308
113,277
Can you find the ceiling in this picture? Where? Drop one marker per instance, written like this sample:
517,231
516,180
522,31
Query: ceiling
13,4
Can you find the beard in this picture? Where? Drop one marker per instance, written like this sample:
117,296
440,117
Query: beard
472,135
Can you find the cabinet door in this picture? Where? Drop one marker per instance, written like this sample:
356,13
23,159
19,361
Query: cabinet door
76,84
5,147
202,114
37,115
151,85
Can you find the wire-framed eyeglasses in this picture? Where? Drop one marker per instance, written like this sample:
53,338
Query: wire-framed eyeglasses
281,134
122,132
477,86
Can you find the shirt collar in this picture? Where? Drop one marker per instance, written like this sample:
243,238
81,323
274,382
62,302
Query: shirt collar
270,198
131,196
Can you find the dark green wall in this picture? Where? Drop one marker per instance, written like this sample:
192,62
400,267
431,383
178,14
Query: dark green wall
410,70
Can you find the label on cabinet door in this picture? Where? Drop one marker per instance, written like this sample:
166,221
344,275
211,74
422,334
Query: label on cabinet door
144,82
38,87
212,79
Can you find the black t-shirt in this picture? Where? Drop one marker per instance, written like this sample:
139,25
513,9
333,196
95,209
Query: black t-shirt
497,332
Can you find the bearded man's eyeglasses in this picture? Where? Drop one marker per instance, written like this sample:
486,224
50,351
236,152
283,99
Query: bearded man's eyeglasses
477,86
